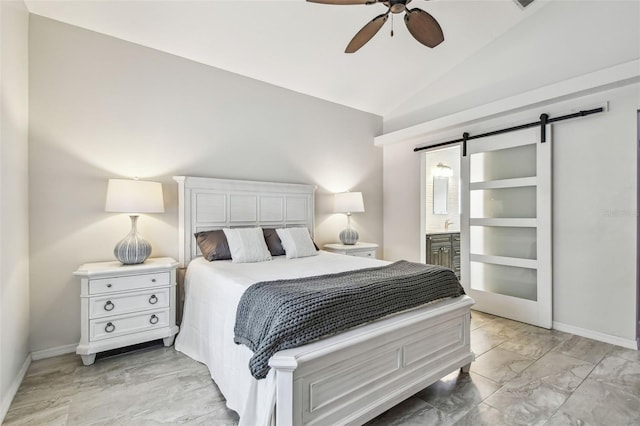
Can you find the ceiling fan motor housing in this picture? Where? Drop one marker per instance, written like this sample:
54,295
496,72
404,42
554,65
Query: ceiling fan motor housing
397,6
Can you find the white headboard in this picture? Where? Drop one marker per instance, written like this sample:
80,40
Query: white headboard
210,203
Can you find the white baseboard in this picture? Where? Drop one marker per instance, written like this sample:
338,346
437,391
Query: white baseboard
596,335
51,352
8,398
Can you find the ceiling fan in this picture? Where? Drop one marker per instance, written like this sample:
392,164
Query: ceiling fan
422,26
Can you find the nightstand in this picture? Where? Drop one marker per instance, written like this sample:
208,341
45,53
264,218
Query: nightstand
122,305
357,249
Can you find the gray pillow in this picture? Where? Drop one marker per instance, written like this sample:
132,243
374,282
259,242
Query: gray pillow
213,245
273,242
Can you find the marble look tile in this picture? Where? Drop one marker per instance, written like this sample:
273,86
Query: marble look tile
531,403
503,327
500,365
159,386
586,349
457,393
628,354
107,372
411,412
116,420
63,364
49,412
533,342
556,370
600,403
45,386
217,418
485,415
618,372
158,368
483,340
119,400
478,319
185,410
535,395
563,419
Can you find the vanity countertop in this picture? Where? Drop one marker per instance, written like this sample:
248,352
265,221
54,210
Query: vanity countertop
442,231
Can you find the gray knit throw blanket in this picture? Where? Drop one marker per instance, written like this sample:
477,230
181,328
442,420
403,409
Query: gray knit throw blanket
283,314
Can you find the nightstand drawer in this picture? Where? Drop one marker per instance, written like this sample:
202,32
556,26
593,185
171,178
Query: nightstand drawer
359,249
370,254
118,304
108,328
130,282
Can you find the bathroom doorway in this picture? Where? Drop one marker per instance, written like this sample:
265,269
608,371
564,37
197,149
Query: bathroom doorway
440,219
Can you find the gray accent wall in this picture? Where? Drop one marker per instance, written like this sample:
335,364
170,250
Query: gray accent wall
104,108
14,226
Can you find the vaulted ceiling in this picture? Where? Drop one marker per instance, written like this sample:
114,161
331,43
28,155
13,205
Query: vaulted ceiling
299,45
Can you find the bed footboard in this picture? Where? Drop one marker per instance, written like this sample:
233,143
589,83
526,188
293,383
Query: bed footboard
354,376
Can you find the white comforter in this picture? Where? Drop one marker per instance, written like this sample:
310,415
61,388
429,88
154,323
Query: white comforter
213,290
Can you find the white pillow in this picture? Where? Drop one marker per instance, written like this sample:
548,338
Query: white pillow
296,242
247,245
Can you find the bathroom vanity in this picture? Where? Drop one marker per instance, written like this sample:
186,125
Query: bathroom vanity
443,248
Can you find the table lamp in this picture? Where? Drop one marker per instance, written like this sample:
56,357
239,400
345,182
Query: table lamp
348,202
133,197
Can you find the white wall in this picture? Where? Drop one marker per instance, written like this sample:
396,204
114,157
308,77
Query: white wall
14,232
594,209
562,40
102,108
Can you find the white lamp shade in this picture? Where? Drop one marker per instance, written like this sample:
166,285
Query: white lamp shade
134,196
348,202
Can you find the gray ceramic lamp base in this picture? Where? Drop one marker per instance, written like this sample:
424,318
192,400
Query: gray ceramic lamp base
348,237
132,249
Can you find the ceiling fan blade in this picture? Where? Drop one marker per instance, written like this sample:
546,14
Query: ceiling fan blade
341,1
366,33
423,27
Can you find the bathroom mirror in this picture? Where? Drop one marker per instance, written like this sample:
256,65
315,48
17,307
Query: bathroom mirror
440,194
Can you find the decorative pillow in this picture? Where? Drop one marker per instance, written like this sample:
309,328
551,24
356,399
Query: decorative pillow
297,242
247,245
273,242
213,245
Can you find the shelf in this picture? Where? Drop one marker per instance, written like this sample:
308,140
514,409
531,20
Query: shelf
504,261
503,183
510,222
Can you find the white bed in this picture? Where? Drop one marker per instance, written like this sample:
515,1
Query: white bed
347,378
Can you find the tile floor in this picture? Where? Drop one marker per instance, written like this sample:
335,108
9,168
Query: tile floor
523,375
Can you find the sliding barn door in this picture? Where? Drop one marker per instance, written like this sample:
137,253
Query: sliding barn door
506,219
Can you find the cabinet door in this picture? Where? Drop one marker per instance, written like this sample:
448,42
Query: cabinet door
439,250
455,254
444,257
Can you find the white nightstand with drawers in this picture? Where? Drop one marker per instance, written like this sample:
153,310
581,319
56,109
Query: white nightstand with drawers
357,249
122,305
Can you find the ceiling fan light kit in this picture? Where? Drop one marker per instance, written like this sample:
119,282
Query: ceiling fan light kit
421,25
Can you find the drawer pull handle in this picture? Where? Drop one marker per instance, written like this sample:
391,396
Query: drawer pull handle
153,299
153,280
109,285
109,306
154,319
109,328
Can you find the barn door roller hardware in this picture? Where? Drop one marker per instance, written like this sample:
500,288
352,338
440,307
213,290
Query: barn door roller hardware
544,120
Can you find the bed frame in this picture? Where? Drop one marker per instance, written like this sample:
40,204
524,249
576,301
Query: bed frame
351,377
